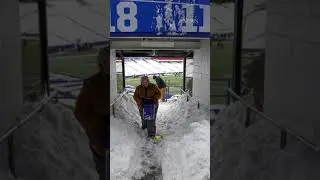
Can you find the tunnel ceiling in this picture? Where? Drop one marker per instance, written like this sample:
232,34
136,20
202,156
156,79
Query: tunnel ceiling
154,53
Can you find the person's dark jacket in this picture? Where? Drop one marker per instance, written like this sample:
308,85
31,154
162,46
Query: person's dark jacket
92,111
160,83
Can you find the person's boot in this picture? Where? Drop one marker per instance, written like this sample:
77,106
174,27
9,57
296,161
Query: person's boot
151,136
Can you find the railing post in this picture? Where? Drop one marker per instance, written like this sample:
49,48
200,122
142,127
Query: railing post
283,139
247,120
228,97
11,156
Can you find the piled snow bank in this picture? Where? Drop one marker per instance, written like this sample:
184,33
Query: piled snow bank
185,152
188,158
125,141
240,153
178,115
52,146
125,151
127,111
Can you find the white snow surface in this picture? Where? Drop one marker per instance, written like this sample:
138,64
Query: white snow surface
253,153
183,154
52,146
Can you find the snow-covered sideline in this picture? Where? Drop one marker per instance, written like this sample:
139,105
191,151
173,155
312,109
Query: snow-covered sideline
240,153
52,146
184,152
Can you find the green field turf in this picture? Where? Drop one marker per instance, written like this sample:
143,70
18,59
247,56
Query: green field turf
81,66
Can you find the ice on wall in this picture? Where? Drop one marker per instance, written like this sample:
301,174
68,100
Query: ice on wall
239,153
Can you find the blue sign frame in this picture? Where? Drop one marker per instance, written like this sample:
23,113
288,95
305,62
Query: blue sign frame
160,18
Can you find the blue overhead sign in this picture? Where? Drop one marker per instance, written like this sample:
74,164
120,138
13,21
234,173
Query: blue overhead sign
160,18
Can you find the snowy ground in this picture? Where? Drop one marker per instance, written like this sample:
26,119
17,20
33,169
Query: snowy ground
52,146
183,155
254,153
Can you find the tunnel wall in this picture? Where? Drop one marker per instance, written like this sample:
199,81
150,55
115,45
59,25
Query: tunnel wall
113,74
10,69
292,65
201,73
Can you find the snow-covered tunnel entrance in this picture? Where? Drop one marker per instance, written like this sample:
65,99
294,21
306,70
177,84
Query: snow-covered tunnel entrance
183,154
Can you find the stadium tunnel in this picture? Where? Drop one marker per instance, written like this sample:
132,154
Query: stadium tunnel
156,67
282,102
198,51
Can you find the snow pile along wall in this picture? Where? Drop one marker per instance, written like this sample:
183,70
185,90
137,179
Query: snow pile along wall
125,145
125,142
185,152
187,157
240,153
52,146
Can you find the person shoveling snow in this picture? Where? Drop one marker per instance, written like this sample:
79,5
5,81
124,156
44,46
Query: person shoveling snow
147,96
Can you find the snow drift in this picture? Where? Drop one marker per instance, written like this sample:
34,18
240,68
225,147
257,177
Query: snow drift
240,153
184,153
52,146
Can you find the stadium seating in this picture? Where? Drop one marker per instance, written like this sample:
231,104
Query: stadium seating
136,66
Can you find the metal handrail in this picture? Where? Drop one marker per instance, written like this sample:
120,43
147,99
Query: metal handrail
39,106
284,129
118,98
188,95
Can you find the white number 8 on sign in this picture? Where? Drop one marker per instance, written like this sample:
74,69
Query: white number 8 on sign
131,17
